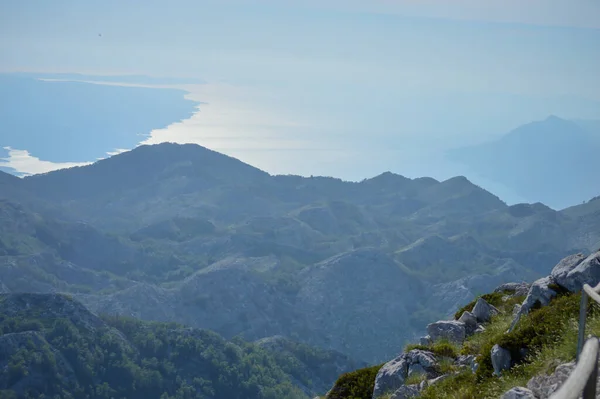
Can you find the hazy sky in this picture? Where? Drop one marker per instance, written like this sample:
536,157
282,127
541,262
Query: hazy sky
345,88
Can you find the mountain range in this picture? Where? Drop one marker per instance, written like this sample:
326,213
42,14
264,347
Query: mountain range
180,233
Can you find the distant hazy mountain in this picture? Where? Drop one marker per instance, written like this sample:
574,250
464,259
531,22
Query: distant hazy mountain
181,233
551,161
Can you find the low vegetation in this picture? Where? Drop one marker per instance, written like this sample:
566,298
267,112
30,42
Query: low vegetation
542,340
357,384
442,348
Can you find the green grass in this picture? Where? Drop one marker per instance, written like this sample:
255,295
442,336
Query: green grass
494,299
549,334
438,348
415,378
358,384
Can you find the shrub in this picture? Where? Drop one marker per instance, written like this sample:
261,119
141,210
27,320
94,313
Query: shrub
541,327
357,384
494,299
443,348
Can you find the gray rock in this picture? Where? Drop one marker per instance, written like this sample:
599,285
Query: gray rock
416,368
480,328
501,359
543,385
516,309
518,393
424,358
561,271
465,361
451,330
425,341
587,271
438,379
483,311
470,322
391,376
539,292
406,391
517,289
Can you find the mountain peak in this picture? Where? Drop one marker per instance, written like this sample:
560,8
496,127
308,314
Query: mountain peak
143,166
554,118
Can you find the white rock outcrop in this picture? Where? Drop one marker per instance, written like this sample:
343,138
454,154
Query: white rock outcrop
451,330
392,375
501,359
519,393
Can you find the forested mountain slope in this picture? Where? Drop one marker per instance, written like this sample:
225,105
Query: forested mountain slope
181,233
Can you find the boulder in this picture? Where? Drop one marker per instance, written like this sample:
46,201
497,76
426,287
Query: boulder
517,289
483,311
416,368
516,309
425,341
466,361
501,359
424,358
560,272
518,393
544,385
391,376
541,292
470,322
583,271
406,391
438,379
451,330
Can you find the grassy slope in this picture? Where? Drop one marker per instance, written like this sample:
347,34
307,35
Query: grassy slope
549,334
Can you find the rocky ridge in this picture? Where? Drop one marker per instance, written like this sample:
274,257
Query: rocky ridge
442,354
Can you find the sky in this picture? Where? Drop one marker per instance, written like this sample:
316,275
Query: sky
343,88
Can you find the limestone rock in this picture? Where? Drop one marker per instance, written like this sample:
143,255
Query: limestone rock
541,292
425,341
543,385
416,368
501,359
517,289
470,322
451,330
424,358
406,391
560,272
518,393
516,309
438,379
391,376
583,271
483,311
467,361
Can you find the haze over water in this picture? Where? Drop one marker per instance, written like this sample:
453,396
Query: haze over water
347,89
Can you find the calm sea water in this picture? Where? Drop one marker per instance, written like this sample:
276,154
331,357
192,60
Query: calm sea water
80,122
